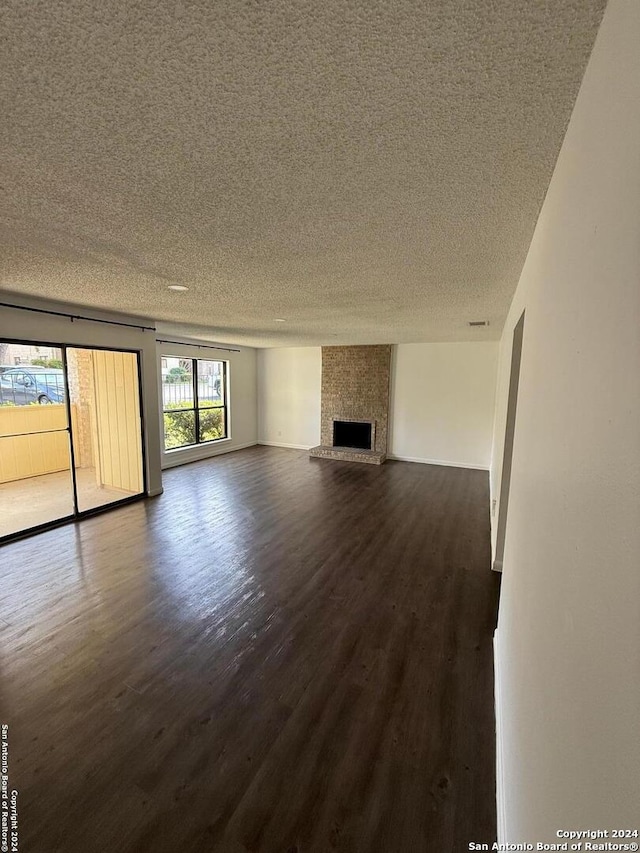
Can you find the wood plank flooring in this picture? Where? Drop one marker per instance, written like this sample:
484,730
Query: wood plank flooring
278,655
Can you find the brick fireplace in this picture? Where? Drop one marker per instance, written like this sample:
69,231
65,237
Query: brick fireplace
355,403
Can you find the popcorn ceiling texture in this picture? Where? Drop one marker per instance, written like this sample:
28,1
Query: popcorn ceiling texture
355,387
367,171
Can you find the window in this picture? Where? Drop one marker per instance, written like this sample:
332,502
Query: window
194,401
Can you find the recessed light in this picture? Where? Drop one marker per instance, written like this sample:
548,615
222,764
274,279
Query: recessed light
279,320
177,287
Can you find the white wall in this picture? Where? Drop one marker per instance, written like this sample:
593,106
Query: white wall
242,415
442,403
568,641
289,396
47,328
441,400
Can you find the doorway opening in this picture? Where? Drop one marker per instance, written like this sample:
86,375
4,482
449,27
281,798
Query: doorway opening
507,456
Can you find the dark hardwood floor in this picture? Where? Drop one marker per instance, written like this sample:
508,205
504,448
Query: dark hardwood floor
278,654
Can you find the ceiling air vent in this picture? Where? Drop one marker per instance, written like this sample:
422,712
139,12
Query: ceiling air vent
478,322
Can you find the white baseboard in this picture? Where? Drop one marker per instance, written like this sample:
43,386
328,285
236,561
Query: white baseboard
437,462
500,786
283,444
389,456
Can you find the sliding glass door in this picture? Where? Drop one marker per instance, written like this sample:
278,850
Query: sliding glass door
36,482
105,405
70,433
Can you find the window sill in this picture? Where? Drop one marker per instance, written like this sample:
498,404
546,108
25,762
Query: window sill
199,446
199,452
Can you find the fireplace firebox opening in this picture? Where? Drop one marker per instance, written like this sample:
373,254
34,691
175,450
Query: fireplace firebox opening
353,434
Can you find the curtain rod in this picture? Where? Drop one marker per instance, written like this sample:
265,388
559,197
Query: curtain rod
73,317
196,346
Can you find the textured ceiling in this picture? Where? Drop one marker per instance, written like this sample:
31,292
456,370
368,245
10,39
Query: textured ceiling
369,171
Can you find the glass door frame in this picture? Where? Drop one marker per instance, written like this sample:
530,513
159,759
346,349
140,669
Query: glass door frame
78,514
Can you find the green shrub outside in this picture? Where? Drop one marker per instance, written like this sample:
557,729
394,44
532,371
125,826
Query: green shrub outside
47,362
180,427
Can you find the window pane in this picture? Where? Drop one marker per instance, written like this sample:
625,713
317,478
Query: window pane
211,424
179,429
210,383
177,382
38,380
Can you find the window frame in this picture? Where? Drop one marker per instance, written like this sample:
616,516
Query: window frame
224,405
